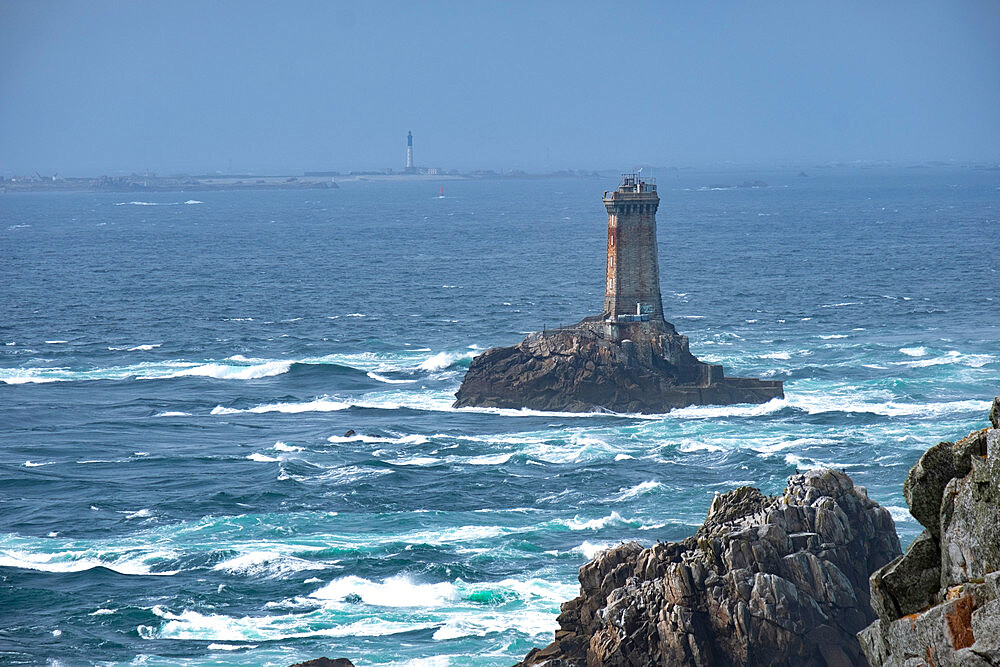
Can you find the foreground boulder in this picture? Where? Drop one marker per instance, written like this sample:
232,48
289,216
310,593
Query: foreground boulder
633,367
940,603
766,581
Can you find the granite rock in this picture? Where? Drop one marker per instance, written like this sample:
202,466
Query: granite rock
939,604
584,368
776,580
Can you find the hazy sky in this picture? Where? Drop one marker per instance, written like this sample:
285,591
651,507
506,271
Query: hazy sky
103,87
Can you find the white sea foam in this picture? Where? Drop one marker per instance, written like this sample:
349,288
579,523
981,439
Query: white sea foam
421,461
480,624
457,534
262,458
32,464
914,351
855,402
193,201
576,523
698,445
443,360
714,411
381,378
73,561
398,591
489,460
899,514
317,405
192,625
282,447
950,357
230,372
229,647
255,562
591,549
440,401
640,489
842,304
832,336
173,414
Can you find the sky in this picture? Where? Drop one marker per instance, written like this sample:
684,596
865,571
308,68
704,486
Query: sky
99,87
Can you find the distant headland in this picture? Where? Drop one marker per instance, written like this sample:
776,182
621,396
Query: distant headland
305,181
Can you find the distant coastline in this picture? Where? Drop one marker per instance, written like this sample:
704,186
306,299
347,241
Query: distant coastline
307,181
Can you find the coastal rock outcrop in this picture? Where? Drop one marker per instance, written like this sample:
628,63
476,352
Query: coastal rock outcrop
645,367
939,604
767,580
325,662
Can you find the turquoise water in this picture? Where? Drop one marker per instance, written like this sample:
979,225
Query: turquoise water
178,371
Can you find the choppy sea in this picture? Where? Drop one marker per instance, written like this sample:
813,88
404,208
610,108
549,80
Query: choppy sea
178,372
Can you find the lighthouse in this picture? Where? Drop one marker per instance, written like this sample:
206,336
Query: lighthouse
632,283
409,153
628,358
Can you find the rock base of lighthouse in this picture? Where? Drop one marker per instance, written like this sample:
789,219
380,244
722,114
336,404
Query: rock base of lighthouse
636,367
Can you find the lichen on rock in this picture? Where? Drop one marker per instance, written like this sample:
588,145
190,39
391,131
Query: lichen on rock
776,580
939,604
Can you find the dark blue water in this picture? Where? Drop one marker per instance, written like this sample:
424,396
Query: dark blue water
178,371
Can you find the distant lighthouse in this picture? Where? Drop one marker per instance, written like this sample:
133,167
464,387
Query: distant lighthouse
409,153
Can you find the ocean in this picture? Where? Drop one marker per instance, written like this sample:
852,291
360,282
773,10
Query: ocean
226,431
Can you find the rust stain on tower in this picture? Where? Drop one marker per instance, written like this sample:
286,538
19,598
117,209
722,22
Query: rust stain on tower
633,273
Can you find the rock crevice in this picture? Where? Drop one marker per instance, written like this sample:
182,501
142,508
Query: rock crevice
766,580
639,367
939,604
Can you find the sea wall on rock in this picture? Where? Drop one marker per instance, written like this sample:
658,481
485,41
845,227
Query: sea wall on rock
939,604
767,580
581,369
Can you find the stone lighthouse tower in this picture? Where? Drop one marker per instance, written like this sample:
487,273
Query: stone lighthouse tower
628,358
409,153
632,285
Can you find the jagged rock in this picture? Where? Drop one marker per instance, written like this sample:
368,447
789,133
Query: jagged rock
909,583
325,662
925,483
766,580
970,519
584,368
953,618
